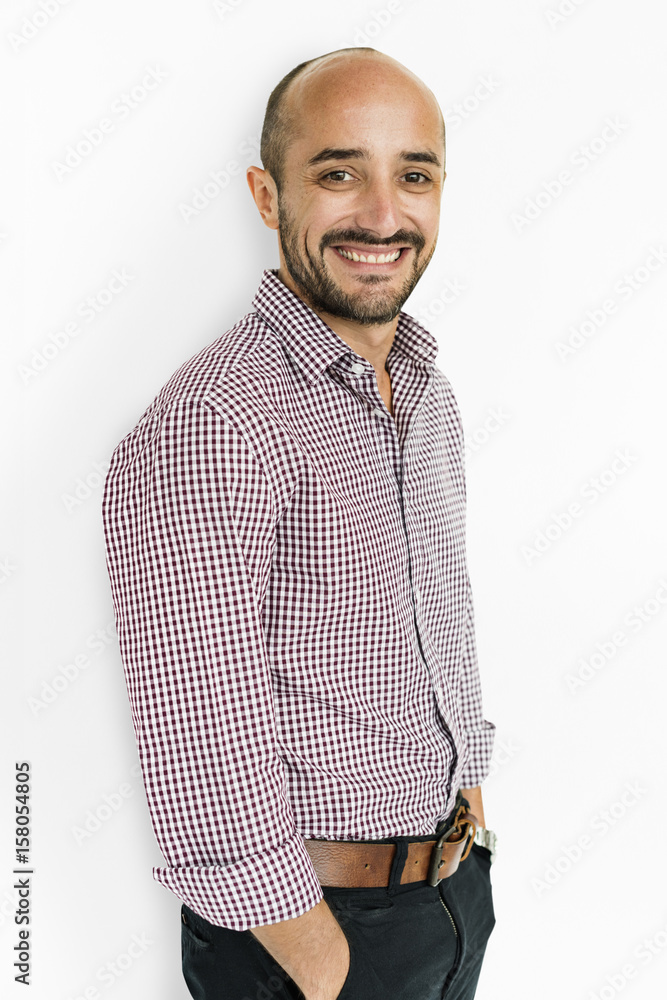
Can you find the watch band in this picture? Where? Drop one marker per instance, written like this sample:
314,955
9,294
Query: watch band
486,838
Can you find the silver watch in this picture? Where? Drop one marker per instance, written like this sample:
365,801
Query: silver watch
486,838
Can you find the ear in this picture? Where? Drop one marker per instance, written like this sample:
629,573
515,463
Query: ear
263,189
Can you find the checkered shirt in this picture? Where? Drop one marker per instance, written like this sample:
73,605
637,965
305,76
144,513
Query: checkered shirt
288,572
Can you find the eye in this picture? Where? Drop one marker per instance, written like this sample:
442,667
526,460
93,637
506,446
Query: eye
416,177
337,176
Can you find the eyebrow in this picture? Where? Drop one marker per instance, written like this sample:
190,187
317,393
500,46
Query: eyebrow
362,153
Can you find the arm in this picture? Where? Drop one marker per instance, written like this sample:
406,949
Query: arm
190,519
479,733
474,797
312,949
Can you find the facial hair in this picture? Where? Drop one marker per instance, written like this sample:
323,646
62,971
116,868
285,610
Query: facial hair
371,304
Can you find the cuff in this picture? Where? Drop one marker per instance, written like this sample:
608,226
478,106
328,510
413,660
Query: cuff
264,888
480,747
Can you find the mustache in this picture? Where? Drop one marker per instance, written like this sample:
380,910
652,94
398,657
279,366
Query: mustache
358,236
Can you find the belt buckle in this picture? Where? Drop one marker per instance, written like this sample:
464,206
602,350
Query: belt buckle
436,852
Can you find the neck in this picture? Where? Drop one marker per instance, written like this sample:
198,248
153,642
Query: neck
370,342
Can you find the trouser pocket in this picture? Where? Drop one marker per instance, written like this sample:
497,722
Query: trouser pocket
400,948
223,964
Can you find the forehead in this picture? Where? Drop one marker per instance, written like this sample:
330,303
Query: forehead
374,103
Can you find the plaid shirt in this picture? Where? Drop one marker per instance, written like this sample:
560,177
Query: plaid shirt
288,572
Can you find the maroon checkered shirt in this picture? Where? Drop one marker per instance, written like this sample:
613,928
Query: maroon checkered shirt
289,579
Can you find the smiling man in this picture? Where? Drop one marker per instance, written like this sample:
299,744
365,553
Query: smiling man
285,532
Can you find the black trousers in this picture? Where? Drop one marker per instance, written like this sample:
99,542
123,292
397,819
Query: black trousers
407,942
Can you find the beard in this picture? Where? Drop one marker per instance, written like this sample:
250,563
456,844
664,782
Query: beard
373,303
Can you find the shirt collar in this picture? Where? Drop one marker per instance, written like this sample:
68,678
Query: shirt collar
313,344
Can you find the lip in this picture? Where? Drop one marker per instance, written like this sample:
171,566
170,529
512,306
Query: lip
364,265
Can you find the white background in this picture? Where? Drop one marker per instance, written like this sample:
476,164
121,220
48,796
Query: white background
524,262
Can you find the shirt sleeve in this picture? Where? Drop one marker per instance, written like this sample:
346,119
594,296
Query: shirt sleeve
189,520
479,733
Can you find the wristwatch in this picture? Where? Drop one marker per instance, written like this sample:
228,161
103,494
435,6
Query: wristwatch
486,838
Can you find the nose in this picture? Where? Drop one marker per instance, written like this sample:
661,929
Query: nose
378,209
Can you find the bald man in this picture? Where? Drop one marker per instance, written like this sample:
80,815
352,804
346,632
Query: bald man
285,532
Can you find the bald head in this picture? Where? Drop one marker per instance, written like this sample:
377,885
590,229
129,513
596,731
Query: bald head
320,85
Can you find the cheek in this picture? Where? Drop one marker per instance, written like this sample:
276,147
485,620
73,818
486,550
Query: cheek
426,215
327,213
429,223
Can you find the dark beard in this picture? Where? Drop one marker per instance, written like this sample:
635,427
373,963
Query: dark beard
367,306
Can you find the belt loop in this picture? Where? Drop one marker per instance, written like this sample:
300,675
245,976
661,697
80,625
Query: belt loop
397,864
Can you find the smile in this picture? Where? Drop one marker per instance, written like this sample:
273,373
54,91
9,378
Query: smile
370,258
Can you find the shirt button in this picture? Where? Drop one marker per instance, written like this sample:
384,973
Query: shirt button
357,368
377,412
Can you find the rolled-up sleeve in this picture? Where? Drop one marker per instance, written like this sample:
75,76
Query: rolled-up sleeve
479,732
189,521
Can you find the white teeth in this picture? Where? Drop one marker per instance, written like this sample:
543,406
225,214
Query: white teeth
371,258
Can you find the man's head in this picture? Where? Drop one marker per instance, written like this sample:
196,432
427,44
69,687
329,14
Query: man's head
353,147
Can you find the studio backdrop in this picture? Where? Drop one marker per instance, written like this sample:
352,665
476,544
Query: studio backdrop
129,241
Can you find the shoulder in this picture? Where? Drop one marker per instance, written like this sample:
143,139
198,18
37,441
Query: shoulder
234,361
226,396
226,377
447,400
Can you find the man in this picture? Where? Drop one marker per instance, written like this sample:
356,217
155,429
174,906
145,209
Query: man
285,541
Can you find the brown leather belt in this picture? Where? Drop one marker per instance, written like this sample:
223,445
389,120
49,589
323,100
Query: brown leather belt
350,864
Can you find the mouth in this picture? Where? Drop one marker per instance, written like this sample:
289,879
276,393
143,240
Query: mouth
382,257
